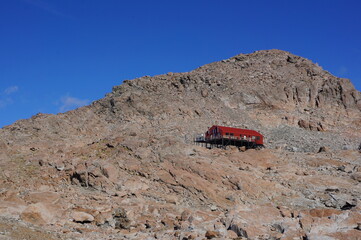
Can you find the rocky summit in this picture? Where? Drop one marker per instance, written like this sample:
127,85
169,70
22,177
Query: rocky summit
126,167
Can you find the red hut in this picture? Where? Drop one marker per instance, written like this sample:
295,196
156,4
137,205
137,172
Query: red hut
233,136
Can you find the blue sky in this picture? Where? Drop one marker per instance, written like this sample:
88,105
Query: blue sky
56,55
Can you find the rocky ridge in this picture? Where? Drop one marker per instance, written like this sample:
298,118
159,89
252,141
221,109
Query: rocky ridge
125,166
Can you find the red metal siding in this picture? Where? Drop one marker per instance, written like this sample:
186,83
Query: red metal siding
235,133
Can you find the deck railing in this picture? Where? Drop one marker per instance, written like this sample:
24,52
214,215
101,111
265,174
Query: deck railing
202,138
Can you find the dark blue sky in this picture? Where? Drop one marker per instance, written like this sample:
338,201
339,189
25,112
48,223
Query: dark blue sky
56,55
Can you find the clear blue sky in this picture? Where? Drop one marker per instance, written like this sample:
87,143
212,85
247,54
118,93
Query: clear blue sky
56,55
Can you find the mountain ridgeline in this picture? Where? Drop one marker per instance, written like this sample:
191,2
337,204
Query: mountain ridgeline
126,167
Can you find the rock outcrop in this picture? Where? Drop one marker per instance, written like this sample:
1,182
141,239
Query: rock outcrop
125,166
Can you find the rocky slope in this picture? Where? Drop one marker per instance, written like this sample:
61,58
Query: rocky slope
126,167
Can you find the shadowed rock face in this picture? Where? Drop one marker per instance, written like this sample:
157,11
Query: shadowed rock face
125,165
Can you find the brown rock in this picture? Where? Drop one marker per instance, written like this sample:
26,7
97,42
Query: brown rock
320,213
309,125
110,172
39,214
121,219
185,215
286,212
211,234
82,217
358,227
231,234
168,223
243,149
323,149
12,209
356,176
204,93
103,218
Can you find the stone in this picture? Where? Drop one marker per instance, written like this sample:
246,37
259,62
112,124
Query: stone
12,209
82,217
121,219
286,212
211,234
358,227
347,147
39,214
238,230
204,93
110,172
185,215
291,59
104,218
242,149
214,208
341,168
356,176
323,149
231,234
294,149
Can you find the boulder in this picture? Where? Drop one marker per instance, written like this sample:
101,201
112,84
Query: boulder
211,234
185,215
11,209
82,217
242,149
121,219
356,176
231,234
40,214
111,172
